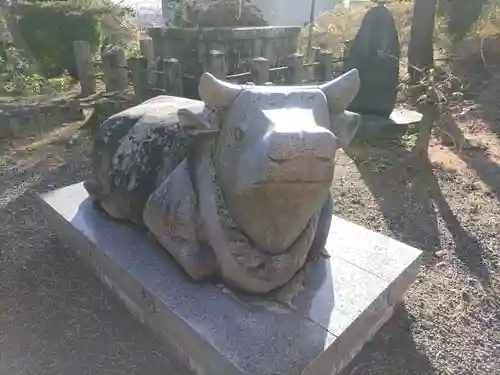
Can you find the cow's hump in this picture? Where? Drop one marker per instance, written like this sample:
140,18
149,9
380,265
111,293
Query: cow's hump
136,147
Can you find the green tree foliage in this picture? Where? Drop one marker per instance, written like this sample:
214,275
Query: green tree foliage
17,76
222,13
50,28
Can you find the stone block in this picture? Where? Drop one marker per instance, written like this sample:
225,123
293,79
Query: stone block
345,299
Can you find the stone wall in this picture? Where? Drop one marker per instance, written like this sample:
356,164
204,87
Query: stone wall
31,119
16,121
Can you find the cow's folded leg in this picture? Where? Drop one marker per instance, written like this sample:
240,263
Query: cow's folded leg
322,231
113,209
171,216
94,189
103,202
198,261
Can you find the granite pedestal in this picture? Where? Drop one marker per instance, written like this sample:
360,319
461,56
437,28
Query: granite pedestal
345,300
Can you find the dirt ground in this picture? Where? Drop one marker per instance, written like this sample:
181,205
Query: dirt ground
450,321
55,318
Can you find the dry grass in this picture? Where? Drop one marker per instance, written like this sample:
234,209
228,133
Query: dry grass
341,24
332,29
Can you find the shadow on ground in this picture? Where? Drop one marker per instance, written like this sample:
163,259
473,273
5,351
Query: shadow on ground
413,205
487,170
392,351
55,317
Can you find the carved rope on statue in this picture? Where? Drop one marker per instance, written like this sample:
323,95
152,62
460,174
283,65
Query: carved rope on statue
236,186
242,264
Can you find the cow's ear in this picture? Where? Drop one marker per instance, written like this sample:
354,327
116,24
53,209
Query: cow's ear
341,91
198,121
344,126
218,95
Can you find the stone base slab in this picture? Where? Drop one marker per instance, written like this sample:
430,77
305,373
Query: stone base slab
345,299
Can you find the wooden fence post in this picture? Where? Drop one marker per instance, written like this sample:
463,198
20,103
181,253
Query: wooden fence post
315,51
291,40
157,35
260,70
172,77
315,72
140,82
85,67
216,64
269,51
146,48
295,69
325,68
115,69
258,47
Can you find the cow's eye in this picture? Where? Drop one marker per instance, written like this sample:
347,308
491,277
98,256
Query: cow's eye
238,134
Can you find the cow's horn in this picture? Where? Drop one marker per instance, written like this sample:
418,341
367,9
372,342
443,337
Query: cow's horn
341,91
217,95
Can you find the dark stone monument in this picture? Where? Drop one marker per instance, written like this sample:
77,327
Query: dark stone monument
375,53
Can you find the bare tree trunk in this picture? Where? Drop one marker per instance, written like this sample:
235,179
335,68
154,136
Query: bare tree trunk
421,48
429,112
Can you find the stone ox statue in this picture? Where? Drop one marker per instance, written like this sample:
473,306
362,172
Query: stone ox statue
236,186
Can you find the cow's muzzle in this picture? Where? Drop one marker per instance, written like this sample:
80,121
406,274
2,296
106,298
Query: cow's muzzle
300,157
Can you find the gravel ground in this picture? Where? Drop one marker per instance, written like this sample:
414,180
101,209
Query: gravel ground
450,322
55,318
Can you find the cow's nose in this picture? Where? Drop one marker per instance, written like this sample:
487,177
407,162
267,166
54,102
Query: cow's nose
319,143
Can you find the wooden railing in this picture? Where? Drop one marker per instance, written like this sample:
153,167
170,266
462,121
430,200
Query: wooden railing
151,76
